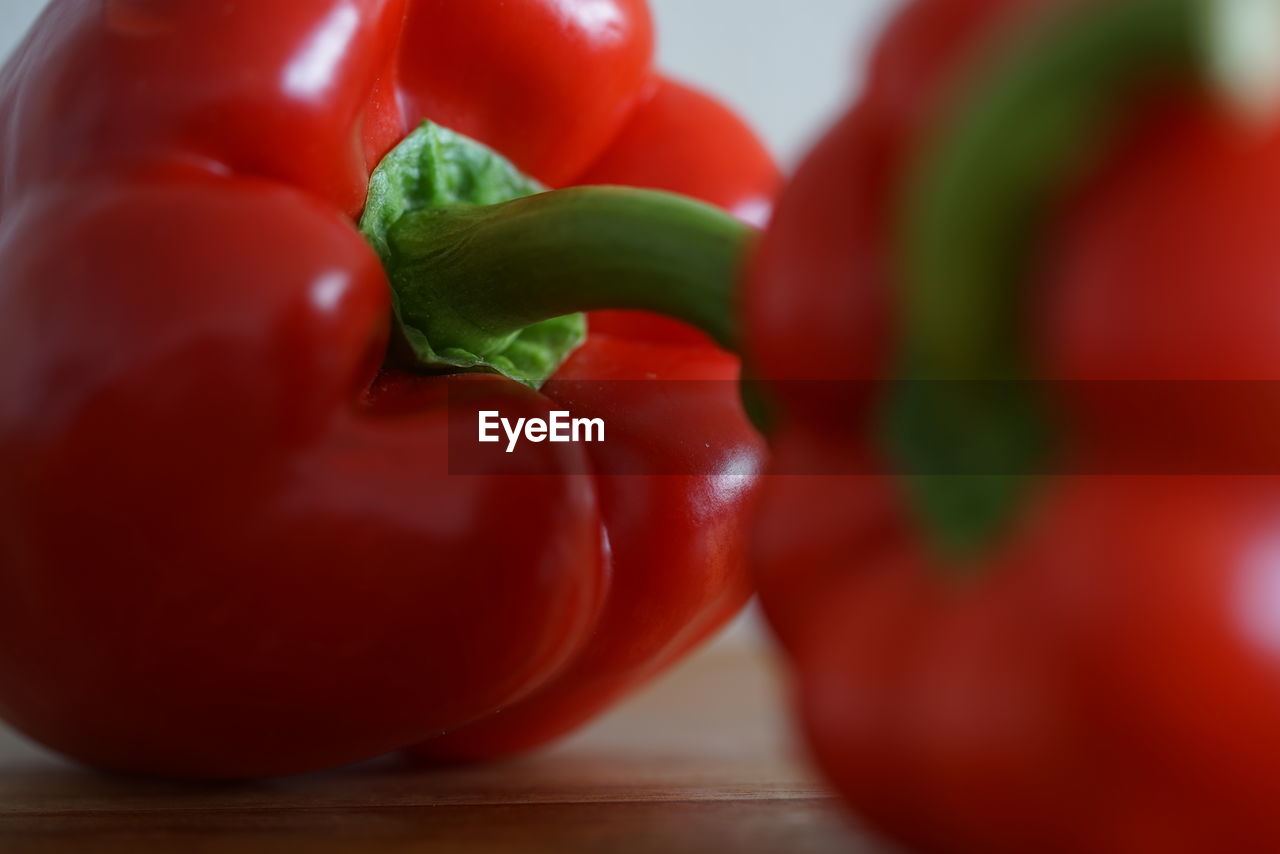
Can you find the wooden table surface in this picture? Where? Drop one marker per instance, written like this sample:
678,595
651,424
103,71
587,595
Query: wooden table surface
699,762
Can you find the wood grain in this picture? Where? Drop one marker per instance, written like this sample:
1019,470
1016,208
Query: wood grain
698,762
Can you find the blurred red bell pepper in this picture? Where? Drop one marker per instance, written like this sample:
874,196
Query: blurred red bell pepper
1043,651
232,546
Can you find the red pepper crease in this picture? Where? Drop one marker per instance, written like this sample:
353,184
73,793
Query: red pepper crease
231,543
1092,669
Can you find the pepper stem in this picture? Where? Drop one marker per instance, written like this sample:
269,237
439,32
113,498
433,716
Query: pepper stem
471,281
1026,126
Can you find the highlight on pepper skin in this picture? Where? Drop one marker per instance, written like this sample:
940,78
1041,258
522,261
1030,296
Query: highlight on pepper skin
239,329
398,396
1031,607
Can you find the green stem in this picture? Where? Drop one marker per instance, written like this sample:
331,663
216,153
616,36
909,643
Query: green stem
973,207
472,281
978,195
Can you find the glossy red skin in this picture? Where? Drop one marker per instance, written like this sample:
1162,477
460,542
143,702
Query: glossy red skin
655,610
548,83
1104,677
232,546
682,140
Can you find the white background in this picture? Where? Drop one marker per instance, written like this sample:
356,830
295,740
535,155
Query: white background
787,64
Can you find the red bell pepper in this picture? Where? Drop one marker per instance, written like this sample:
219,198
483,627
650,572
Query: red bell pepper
232,544
1065,648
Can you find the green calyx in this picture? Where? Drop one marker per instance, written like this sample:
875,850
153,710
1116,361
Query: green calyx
491,273
969,424
437,169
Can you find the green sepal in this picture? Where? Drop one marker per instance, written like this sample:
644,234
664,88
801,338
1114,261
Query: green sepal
437,169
